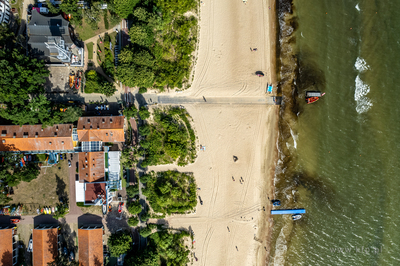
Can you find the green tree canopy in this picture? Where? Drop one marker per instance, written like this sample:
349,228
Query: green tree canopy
119,243
135,207
5,34
20,76
144,113
133,221
71,7
124,8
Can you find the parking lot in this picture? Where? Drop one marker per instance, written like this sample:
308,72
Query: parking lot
58,80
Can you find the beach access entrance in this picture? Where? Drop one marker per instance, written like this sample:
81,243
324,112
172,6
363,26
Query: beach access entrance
151,99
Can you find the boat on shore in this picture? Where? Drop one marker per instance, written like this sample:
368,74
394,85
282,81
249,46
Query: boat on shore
296,217
313,96
71,79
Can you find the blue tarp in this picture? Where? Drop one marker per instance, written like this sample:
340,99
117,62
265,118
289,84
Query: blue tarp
293,211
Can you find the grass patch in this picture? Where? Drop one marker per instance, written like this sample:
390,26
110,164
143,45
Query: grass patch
81,204
123,182
45,190
106,159
86,32
41,157
90,50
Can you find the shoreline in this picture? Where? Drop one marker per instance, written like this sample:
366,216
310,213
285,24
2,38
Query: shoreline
231,227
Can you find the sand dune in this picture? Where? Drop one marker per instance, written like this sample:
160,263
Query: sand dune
226,67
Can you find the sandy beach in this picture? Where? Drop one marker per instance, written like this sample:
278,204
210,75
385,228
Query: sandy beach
232,227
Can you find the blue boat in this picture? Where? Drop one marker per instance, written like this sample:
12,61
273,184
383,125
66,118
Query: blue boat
270,87
288,211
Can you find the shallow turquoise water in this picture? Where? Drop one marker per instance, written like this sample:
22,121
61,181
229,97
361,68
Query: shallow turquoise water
345,170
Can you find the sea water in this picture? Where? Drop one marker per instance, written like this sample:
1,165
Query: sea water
339,157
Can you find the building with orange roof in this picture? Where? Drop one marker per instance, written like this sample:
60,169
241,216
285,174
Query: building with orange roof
90,245
34,138
8,246
101,128
45,244
91,166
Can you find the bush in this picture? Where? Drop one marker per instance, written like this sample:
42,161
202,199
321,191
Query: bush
133,221
171,192
142,90
170,138
96,83
145,232
135,207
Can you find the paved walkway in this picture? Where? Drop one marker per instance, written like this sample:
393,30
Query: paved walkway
167,99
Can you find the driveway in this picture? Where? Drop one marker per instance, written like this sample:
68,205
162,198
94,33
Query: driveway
74,211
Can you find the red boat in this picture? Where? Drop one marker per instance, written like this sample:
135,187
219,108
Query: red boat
312,100
120,206
313,96
14,221
78,80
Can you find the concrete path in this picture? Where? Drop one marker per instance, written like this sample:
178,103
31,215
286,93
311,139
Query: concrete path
167,99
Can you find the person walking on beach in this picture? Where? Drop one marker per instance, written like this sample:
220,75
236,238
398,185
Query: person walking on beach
233,178
237,248
228,229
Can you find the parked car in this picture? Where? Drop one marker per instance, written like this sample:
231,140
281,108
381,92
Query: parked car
30,245
69,163
61,157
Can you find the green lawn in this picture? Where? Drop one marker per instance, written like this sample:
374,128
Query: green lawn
86,32
106,159
90,50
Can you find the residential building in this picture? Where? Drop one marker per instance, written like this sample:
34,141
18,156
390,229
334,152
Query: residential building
91,166
50,39
101,129
35,139
5,11
90,243
46,244
8,246
99,172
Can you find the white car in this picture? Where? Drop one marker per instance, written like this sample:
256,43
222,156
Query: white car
30,246
69,163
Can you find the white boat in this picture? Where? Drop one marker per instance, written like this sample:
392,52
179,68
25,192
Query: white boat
296,217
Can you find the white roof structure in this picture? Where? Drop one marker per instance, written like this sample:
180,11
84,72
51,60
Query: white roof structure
5,11
80,191
114,167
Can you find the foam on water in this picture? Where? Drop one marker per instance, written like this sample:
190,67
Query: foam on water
361,65
360,96
357,7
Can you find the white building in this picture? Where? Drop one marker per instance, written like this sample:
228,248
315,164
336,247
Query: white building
5,11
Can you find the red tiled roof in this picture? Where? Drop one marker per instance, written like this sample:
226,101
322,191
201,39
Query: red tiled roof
36,138
44,246
101,128
91,166
90,247
6,247
93,190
